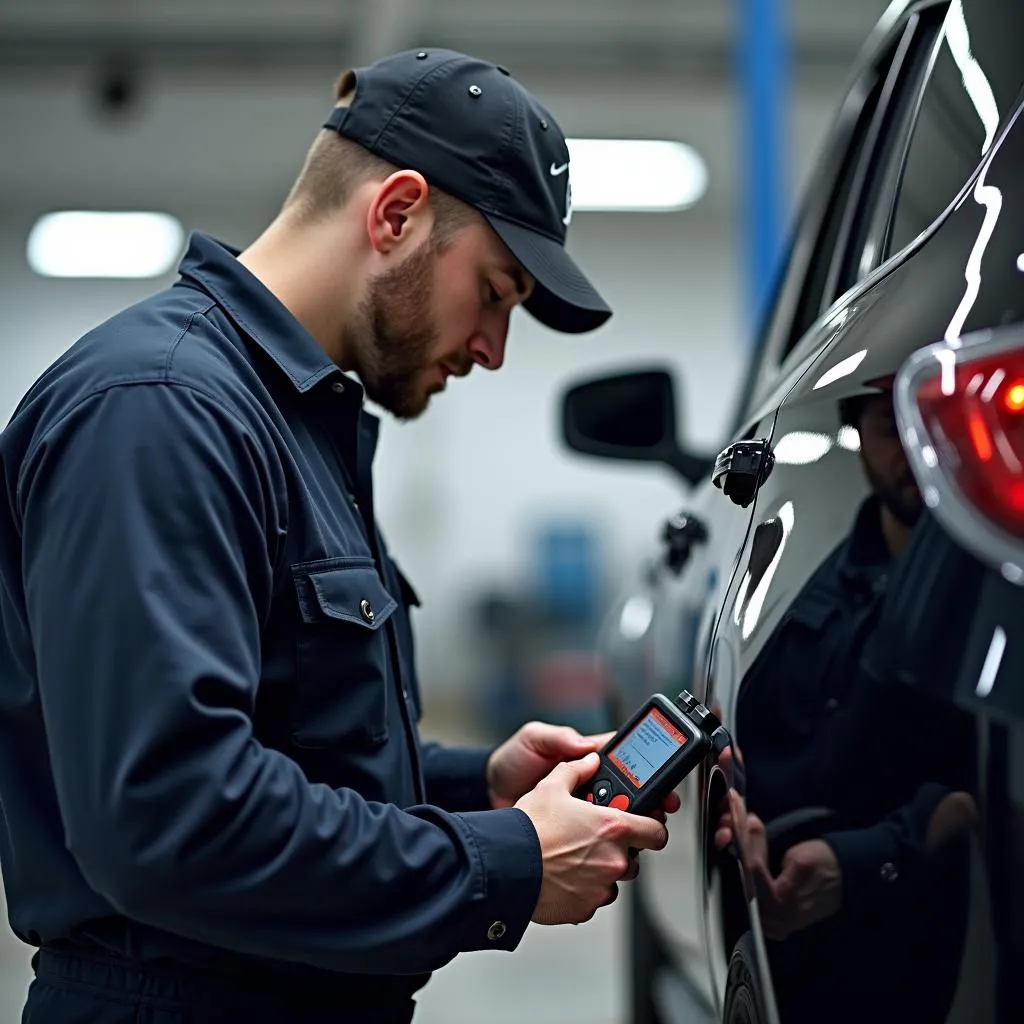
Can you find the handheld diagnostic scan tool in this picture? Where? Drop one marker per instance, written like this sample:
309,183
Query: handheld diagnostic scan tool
653,752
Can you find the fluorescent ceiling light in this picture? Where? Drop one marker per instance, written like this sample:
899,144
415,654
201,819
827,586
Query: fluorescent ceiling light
96,244
635,174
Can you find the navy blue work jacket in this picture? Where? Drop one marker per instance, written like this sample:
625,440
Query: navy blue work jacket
208,707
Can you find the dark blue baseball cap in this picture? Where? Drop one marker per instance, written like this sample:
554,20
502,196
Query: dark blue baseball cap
474,132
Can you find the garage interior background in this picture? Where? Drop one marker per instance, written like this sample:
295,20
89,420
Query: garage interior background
204,109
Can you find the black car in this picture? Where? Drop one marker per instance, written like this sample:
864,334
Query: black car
844,582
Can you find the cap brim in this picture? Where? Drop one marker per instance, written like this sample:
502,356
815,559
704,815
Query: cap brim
563,298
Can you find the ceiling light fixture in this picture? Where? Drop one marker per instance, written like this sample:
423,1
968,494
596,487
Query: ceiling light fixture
635,175
77,243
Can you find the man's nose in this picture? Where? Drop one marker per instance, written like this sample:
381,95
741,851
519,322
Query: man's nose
488,347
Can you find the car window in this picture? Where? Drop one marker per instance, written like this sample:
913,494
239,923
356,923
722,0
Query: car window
834,225
797,296
861,219
949,139
814,298
901,97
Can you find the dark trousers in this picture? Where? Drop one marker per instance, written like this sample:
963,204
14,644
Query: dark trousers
75,988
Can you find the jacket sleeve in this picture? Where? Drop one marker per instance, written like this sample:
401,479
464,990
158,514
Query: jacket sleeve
456,777
151,521
889,853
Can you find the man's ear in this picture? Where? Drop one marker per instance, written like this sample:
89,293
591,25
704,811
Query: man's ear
399,212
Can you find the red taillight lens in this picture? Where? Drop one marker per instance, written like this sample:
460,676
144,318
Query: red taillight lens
972,412
1014,397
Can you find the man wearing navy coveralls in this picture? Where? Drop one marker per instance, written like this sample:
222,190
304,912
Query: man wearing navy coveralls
214,803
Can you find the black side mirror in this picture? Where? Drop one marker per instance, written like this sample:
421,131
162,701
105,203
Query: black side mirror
629,416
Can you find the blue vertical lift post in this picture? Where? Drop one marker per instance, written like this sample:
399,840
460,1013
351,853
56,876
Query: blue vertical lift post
763,70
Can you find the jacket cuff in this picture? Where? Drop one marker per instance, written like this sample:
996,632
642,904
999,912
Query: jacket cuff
870,862
511,871
456,777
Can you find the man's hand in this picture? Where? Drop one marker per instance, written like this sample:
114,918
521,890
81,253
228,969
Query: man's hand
516,767
530,754
808,889
954,819
585,848
737,825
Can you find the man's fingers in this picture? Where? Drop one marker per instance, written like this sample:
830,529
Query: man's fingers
557,741
632,871
955,816
784,887
737,808
764,885
574,773
669,805
596,742
728,760
613,895
645,833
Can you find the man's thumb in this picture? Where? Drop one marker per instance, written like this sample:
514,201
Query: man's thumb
575,773
785,884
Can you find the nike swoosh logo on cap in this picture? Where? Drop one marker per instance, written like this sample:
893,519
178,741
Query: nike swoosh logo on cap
556,170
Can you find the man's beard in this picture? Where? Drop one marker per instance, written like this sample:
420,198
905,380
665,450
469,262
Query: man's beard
903,502
397,335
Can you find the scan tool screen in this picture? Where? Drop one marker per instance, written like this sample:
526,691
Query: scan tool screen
646,749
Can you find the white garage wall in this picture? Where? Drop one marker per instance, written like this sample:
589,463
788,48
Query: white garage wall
460,490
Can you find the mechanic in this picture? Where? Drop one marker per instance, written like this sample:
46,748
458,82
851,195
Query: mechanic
214,800
821,723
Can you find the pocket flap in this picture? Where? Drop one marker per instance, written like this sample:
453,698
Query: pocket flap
813,612
348,593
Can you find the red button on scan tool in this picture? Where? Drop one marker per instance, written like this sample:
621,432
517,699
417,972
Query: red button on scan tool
620,802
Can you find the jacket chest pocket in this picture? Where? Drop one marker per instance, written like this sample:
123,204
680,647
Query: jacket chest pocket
794,674
343,658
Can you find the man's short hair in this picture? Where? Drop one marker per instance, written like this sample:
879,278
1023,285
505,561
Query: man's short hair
336,166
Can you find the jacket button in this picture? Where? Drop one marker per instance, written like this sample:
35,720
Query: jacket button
338,388
889,872
496,931
367,609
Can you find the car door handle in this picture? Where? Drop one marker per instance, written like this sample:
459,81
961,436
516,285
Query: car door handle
680,534
742,468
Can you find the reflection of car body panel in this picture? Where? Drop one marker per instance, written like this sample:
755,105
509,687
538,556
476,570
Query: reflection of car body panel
909,235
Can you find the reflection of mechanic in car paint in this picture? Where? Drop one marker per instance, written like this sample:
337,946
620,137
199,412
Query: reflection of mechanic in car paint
817,728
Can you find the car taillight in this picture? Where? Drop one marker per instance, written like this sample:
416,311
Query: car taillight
974,416
961,411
